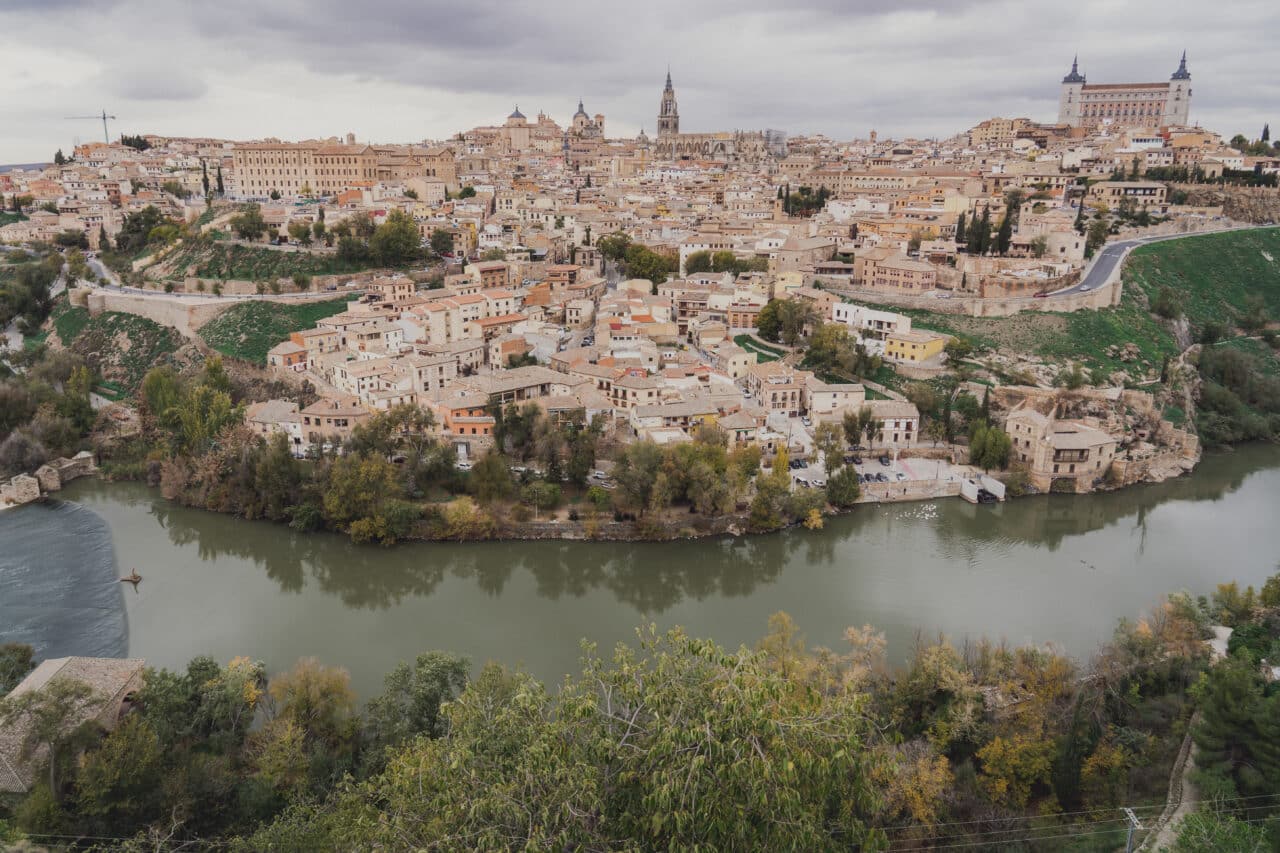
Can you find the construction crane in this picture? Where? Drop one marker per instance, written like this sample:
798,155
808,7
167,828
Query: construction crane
106,137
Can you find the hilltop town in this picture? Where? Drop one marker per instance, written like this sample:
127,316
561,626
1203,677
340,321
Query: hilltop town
816,305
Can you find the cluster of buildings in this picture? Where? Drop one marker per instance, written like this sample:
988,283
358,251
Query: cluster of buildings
651,365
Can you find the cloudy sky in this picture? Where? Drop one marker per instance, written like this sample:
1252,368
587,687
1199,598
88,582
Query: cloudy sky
407,70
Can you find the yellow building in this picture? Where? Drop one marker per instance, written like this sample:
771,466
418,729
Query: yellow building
913,347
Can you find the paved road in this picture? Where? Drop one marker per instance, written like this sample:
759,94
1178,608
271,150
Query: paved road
1107,260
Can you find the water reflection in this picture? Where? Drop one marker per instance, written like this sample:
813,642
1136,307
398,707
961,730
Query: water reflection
654,578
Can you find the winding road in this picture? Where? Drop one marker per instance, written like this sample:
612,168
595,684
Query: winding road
1113,254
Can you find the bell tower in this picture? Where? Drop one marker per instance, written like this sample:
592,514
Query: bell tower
668,114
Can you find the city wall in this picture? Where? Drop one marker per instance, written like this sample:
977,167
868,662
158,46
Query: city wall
973,306
50,477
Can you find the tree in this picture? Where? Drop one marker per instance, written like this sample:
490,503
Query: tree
958,349
120,783
357,488
300,231
1210,831
1266,133
411,703
960,228
278,479
51,717
441,242
59,158
490,478
989,446
843,489
541,495
828,439
221,189
16,661
104,242
643,262
317,699
396,241
204,177
248,224
1096,235
318,230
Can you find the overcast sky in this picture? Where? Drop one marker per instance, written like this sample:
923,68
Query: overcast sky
407,70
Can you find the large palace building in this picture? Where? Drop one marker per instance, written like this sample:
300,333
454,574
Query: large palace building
1150,105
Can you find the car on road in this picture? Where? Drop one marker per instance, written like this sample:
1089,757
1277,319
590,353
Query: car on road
882,478
805,420
818,483
886,461
1085,287
802,480
1042,294
901,476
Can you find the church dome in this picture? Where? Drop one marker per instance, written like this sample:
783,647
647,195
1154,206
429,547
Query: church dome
517,113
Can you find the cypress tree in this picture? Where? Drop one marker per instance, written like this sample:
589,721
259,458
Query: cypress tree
1080,218
1005,235
221,191
59,158
984,231
985,411
960,235
104,242
1266,132
204,176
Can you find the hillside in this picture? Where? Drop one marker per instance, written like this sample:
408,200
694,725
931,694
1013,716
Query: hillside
1210,278
247,330
121,348
217,259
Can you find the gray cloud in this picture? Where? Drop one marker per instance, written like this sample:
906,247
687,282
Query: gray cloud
408,69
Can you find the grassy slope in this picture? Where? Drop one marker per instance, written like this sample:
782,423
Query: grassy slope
214,259
247,330
762,353
121,348
1212,274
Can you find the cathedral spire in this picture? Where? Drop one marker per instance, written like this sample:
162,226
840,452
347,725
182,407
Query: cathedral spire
1182,73
1075,76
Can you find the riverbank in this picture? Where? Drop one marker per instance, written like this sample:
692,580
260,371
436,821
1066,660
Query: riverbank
1052,568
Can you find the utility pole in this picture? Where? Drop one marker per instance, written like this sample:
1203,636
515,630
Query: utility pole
1134,823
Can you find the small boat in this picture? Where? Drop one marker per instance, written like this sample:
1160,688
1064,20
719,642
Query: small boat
133,578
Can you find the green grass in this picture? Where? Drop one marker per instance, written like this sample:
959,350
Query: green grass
8,217
121,348
69,321
247,330
762,352
1268,358
1212,276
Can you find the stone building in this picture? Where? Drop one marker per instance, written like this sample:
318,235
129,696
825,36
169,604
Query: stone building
1060,455
1149,105
736,146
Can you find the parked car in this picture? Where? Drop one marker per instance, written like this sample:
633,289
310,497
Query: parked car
818,483
901,476
599,475
805,420
464,465
803,481
882,478
857,460
886,461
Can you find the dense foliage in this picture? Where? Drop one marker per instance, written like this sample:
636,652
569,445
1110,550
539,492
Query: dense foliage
679,743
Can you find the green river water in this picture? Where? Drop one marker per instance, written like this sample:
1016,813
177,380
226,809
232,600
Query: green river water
1058,569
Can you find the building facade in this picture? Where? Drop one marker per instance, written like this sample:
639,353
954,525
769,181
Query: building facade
1152,105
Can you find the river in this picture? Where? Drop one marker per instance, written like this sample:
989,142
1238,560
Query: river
1058,569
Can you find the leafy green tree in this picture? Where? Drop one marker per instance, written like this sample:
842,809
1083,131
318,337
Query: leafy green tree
52,717
989,446
828,439
490,478
396,241
59,159
614,246
278,479
635,471
1210,831
248,224
412,702
643,262
441,242
16,661
357,488
541,495
1096,235
119,784
300,231
843,489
